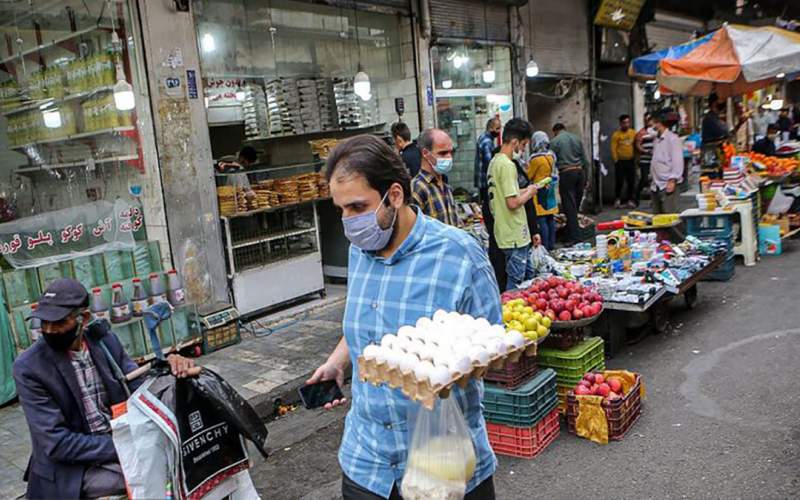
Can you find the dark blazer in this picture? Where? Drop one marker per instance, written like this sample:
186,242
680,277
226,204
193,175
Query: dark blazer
62,446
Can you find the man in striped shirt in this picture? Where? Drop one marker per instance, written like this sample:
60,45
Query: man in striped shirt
644,147
403,265
429,188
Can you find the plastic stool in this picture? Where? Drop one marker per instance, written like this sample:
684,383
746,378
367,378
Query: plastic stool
748,246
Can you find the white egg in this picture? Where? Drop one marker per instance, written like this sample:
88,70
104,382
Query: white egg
408,362
439,376
453,318
459,364
388,340
498,330
370,352
482,324
393,358
423,370
468,318
403,343
440,316
382,354
406,332
495,347
426,352
479,354
424,322
515,338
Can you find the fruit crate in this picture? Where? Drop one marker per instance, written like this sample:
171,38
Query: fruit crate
621,413
524,442
524,406
572,364
512,375
562,391
222,336
565,339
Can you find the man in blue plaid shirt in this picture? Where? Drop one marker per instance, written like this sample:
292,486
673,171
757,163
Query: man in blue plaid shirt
403,265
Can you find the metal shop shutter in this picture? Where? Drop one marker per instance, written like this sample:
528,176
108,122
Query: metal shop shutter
465,19
560,36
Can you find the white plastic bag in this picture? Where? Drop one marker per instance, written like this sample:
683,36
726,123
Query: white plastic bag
441,457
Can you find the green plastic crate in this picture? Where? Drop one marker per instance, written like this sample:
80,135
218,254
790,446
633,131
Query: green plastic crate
51,272
574,359
572,380
118,265
21,286
90,270
523,406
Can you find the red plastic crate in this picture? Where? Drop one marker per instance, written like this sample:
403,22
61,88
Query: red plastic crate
621,413
513,375
524,442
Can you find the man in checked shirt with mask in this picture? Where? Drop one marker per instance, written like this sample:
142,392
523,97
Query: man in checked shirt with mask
403,265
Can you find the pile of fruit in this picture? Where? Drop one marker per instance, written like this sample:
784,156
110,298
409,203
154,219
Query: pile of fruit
520,316
556,298
774,166
595,384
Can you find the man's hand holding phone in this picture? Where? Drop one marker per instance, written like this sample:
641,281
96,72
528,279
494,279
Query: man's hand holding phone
327,372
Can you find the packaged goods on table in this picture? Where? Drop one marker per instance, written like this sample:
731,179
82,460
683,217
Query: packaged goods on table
425,360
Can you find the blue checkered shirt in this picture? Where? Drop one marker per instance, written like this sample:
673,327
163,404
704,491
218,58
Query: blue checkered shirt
436,267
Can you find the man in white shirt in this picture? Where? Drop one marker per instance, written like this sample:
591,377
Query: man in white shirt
666,168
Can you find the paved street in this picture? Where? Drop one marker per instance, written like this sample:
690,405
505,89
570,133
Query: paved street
720,420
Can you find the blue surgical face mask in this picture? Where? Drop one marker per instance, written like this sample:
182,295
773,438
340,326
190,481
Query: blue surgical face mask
443,165
364,231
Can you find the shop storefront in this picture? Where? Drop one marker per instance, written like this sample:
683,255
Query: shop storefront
80,183
289,79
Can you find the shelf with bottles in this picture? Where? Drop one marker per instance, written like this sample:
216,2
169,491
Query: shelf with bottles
54,43
78,136
84,163
52,101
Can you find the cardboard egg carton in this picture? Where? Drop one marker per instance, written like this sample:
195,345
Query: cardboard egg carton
422,390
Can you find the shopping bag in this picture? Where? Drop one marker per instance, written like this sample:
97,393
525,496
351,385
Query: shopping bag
441,457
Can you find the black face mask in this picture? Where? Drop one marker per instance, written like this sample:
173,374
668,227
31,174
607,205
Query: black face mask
62,341
494,133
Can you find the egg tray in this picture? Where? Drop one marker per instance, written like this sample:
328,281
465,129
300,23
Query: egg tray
423,391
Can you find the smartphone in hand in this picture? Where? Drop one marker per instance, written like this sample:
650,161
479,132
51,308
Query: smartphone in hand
320,394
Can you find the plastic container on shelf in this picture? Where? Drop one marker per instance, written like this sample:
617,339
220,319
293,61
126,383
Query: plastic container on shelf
621,413
524,442
140,300
512,375
176,295
523,406
157,291
120,307
98,307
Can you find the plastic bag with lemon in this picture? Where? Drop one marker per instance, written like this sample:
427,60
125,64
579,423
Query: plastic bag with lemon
441,457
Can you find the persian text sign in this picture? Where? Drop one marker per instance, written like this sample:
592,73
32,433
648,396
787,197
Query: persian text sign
69,233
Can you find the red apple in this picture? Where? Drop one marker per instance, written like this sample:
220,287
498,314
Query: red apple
614,384
613,395
569,305
603,390
588,312
575,297
589,377
577,313
564,316
541,304
563,293
585,382
582,390
550,314
599,378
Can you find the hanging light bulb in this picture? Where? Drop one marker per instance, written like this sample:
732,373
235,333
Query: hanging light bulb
240,95
52,118
207,43
361,85
447,84
780,75
123,91
776,104
532,69
657,94
488,74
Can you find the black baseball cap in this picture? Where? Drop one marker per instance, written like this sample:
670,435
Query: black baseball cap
59,299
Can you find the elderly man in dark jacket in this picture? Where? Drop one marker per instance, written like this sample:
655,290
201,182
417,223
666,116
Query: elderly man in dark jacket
67,386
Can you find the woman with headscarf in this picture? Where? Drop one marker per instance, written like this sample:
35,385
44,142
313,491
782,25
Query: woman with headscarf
541,166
